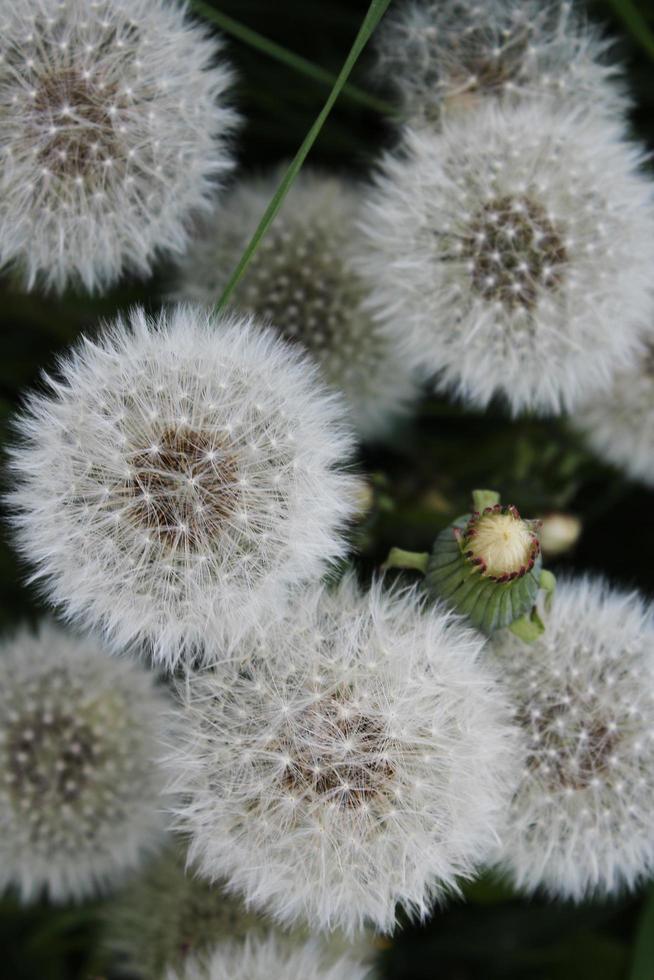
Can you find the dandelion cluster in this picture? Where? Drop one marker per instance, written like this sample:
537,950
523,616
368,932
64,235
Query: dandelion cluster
302,281
581,820
359,758
115,131
449,56
511,242
337,750
270,957
176,475
79,790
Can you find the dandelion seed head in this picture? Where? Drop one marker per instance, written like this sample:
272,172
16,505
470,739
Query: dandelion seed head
447,56
261,958
115,132
581,820
507,244
178,477
619,425
169,914
373,760
301,280
79,795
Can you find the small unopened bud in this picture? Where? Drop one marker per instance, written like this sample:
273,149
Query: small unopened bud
559,533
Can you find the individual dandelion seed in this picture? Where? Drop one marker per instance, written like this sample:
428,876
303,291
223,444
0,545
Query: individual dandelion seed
177,477
115,130
581,821
272,957
511,245
79,786
358,759
619,424
301,280
168,915
442,57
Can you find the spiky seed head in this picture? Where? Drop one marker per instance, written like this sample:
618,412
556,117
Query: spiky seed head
79,791
272,956
500,543
618,424
358,759
168,915
115,130
443,57
301,280
177,477
581,821
510,244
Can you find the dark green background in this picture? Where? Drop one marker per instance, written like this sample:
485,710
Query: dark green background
422,479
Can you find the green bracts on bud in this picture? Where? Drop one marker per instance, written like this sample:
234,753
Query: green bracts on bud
487,565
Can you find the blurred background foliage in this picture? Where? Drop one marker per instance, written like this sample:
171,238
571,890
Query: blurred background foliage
421,479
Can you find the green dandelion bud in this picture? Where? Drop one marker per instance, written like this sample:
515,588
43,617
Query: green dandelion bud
487,565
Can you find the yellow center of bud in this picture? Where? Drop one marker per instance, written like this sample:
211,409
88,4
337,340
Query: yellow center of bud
503,542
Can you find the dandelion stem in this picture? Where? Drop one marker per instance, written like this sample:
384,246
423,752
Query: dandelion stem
289,58
375,12
416,561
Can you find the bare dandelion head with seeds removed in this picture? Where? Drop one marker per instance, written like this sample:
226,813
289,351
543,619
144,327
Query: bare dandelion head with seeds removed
80,733
301,280
177,477
581,821
361,757
115,131
511,244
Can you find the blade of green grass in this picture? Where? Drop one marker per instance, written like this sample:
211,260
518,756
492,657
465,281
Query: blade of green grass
376,11
635,23
642,963
289,58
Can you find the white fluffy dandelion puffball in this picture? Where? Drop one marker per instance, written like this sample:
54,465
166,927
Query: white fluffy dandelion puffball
79,788
114,131
272,957
178,475
517,247
444,56
168,914
618,424
302,280
360,758
582,819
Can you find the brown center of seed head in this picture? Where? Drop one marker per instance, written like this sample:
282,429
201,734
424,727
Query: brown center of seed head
342,756
565,753
514,251
75,122
184,488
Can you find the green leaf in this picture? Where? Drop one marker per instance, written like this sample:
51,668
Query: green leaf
635,23
376,11
528,628
289,58
642,964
